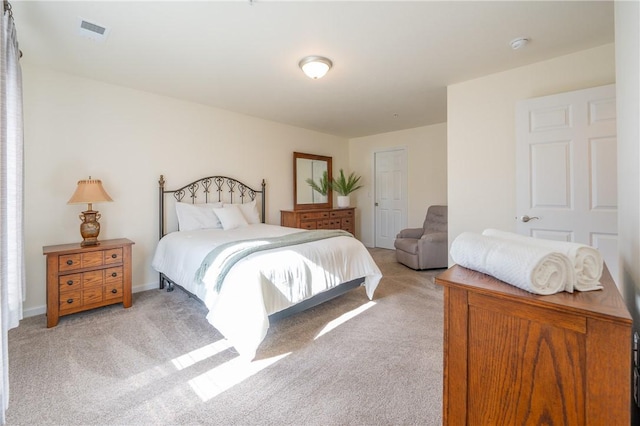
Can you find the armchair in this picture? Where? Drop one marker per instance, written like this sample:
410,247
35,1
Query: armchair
426,247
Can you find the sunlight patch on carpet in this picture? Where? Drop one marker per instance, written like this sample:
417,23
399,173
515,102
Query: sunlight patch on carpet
225,376
200,354
343,318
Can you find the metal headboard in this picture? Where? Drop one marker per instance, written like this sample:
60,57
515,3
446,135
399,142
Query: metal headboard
211,189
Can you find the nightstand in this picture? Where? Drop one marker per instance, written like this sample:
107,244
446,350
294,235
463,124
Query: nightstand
83,278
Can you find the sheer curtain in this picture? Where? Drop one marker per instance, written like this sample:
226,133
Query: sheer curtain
11,227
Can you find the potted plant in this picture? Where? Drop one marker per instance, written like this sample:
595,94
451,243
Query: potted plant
322,186
345,186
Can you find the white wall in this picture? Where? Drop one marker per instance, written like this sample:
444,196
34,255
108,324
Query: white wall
627,16
427,173
75,127
481,133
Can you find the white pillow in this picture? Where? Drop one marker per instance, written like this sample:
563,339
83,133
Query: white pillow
230,216
197,216
249,211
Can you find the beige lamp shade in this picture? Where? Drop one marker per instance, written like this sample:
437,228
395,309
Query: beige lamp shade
89,191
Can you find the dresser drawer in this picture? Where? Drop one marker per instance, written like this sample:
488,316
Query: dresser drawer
113,292
314,215
70,301
69,262
113,275
309,224
112,256
74,261
342,213
70,282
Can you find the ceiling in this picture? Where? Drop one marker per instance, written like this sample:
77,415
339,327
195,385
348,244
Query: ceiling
392,60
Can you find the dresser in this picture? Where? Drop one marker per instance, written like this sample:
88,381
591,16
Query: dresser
511,357
343,218
83,278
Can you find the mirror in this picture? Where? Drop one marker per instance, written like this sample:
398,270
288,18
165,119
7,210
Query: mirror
310,166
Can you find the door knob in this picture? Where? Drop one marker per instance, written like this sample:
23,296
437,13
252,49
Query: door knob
526,218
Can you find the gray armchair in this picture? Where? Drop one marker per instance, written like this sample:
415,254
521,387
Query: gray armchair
426,247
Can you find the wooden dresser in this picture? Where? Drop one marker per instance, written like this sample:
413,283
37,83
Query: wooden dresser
343,218
82,278
511,357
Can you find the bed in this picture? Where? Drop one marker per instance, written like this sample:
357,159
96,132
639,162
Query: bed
216,245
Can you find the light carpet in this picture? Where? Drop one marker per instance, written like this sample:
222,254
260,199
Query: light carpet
158,363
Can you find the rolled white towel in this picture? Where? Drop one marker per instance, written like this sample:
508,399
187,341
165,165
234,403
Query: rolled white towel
586,260
529,267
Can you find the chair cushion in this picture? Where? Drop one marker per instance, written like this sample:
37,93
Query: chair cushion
436,220
410,245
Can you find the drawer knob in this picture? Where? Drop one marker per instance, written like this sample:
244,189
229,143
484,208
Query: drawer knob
70,282
114,274
69,262
113,256
114,291
69,300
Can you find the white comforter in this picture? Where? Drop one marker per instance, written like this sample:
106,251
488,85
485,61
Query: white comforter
265,282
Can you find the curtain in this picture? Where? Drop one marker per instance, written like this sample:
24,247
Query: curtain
12,282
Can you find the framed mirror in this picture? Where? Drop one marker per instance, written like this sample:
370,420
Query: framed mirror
310,166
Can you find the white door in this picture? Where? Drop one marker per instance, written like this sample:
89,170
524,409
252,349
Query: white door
566,169
390,195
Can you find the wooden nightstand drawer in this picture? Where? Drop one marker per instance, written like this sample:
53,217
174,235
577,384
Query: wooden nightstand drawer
70,282
103,277
113,275
80,261
113,292
69,262
112,256
70,301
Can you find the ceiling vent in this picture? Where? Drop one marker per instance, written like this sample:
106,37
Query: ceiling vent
92,30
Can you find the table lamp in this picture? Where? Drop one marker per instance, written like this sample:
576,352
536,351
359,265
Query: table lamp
89,191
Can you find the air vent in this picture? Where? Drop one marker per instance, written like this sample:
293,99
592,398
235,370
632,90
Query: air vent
92,30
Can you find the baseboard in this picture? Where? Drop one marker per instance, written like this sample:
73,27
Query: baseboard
39,310
145,287
32,312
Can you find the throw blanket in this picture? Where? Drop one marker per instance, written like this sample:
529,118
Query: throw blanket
225,256
586,260
526,266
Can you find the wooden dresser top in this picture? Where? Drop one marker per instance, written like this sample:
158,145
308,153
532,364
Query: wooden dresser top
605,303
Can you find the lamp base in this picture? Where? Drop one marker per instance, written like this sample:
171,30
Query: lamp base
89,228
89,242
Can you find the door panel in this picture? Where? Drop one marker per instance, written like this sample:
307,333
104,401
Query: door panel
391,196
566,169
551,175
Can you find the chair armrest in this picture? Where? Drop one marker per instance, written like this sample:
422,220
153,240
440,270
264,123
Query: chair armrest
410,233
435,237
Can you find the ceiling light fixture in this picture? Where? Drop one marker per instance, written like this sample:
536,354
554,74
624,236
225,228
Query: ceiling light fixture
519,43
315,67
